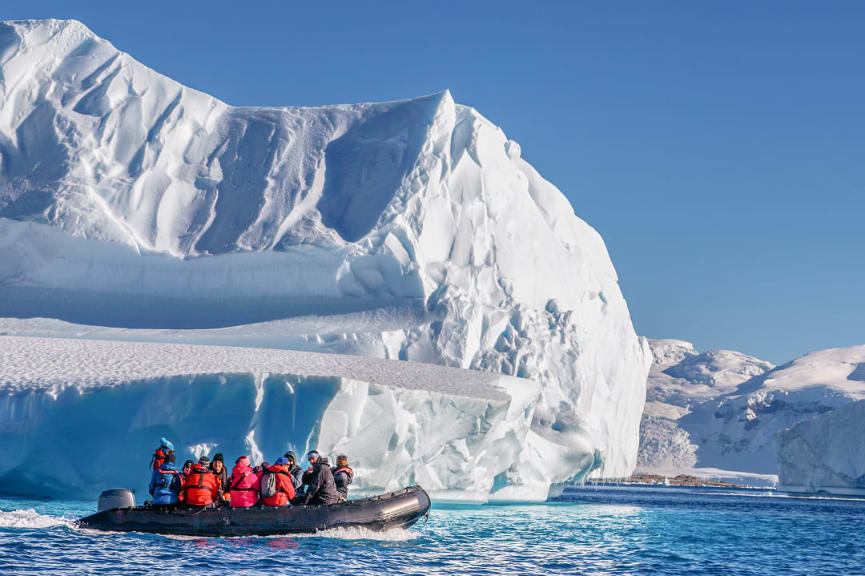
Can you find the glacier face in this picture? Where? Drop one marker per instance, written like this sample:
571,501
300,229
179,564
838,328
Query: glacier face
129,200
825,453
721,410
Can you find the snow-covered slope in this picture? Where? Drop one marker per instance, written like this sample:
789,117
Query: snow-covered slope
738,429
129,200
721,410
681,379
827,452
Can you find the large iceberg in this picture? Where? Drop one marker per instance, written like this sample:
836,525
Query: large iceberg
717,413
414,227
825,453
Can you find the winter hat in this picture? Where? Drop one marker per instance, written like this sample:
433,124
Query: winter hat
164,443
188,463
281,461
242,460
313,455
291,455
219,457
204,461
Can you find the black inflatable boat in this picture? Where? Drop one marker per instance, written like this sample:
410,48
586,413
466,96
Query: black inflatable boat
395,510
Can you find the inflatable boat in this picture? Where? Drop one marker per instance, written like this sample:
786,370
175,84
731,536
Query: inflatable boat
395,510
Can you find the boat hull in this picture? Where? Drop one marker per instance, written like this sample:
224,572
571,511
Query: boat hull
395,510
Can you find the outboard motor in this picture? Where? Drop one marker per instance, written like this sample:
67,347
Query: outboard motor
116,498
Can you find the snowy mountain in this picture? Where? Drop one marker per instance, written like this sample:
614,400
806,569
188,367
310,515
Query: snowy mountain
827,452
408,230
720,411
680,381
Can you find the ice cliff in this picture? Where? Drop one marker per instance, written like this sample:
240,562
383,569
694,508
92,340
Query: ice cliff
456,432
128,200
718,412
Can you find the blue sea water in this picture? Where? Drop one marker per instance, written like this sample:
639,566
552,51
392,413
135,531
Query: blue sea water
591,530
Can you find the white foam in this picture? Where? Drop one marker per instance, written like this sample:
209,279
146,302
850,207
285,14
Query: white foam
393,535
29,518
354,533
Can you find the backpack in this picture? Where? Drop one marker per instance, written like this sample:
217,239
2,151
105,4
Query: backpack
268,485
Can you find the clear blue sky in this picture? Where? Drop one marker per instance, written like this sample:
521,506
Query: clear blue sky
719,148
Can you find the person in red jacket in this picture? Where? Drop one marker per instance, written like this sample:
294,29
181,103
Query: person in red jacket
283,486
202,486
244,483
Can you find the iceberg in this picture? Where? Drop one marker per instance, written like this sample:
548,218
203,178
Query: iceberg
825,453
410,230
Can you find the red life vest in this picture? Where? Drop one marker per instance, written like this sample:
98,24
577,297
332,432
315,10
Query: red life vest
201,486
284,487
344,469
159,457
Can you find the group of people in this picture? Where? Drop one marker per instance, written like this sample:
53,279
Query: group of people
283,483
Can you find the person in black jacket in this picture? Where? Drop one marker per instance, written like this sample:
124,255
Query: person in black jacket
295,470
342,476
318,479
218,467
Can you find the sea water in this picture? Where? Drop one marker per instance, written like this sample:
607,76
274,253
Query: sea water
606,530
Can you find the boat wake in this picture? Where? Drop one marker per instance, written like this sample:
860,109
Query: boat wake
358,533
30,519
354,533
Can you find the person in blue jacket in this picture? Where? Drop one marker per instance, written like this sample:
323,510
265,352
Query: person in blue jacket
166,482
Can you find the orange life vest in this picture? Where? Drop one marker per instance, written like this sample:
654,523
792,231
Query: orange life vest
201,486
158,458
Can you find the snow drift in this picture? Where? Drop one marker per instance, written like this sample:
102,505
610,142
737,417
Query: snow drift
129,200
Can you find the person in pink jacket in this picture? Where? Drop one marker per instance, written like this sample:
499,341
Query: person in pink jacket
245,484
